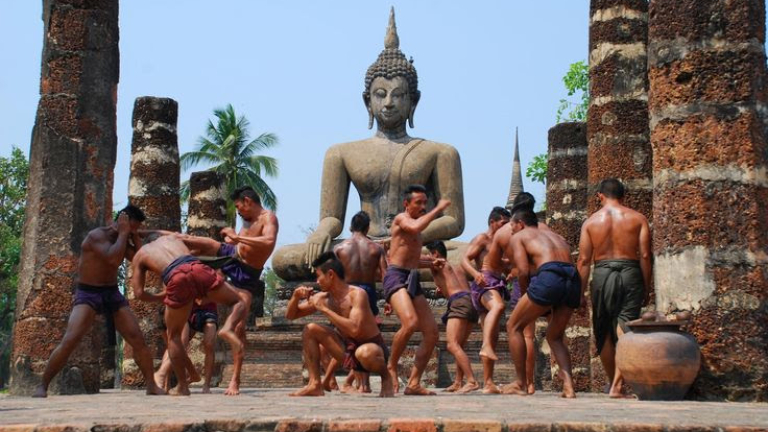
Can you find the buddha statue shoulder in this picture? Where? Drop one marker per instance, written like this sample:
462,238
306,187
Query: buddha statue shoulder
381,167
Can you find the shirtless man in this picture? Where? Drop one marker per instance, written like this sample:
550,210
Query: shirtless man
356,341
460,315
185,279
364,262
618,240
488,287
249,249
557,287
101,254
402,288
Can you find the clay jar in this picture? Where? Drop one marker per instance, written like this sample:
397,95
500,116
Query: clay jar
657,360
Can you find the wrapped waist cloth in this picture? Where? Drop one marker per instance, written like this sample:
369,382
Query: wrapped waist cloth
556,283
398,278
618,292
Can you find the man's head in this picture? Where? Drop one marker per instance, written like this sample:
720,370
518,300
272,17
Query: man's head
360,222
135,216
328,270
523,218
610,188
415,200
246,201
437,249
523,200
392,75
498,218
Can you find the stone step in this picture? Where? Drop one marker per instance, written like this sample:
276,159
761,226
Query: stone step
267,375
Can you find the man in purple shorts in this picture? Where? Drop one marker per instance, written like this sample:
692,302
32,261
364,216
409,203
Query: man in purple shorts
102,252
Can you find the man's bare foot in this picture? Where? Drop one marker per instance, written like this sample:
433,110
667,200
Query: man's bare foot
366,388
310,390
393,376
468,387
417,391
40,392
162,380
193,375
330,384
488,353
568,394
155,390
453,387
514,388
491,389
206,389
233,389
179,391
349,389
531,389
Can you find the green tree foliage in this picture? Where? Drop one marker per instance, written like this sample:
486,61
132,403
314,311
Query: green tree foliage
226,147
14,171
272,281
537,169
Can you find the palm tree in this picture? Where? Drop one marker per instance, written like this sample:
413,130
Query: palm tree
226,147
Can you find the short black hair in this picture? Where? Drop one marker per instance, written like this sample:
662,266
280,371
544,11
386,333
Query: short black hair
329,261
360,222
246,192
410,190
133,212
438,246
523,200
527,216
611,188
498,213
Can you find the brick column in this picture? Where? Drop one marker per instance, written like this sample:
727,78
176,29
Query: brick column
708,122
72,157
566,211
153,187
207,213
617,125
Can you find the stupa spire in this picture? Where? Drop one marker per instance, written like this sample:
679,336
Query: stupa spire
516,184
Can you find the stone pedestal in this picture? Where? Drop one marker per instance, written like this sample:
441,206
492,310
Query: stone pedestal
153,187
707,102
70,188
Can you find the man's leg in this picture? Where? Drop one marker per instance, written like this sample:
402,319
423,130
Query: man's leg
175,320
330,365
489,387
530,355
494,303
555,337
371,358
209,347
618,379
80,321
202,246
312,338
525,313
128,327
403,306
455,331
161,376
226,294
429,337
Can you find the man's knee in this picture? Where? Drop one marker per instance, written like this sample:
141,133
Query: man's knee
312,330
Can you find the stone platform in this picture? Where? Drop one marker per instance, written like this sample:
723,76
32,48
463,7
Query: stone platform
271,410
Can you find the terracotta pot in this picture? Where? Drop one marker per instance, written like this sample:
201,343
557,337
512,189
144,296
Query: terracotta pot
658,360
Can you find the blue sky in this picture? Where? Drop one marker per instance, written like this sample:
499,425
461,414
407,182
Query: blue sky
296,68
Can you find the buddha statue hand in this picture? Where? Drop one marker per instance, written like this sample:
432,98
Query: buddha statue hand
317,243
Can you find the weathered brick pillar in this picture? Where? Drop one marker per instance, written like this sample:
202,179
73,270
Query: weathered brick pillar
72,157
207,213
617,124
708,123
566,211
153,187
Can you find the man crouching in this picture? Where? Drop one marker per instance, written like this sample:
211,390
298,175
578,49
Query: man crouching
356,342
185,279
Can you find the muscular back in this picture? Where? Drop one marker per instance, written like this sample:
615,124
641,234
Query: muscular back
157,255
498,249
362,259
614,232
542,246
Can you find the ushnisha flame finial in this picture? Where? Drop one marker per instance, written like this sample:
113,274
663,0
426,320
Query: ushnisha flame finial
391,41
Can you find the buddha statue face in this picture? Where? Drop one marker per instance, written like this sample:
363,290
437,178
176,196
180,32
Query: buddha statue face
390,102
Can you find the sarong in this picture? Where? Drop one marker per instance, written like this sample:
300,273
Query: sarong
350,360
617,292
493,282
202,315
399,277
238,272
105,300
460,306
373,296
556,283
186,279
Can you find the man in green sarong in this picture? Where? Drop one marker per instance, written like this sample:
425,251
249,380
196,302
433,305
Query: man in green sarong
618,240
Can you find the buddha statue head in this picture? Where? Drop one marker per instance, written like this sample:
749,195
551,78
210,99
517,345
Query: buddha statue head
391,84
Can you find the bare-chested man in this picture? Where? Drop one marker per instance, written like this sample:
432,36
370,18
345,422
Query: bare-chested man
460,315
488,287
102,253
185,279
249,249
364,263
618,240
403,290
557,287
358,344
